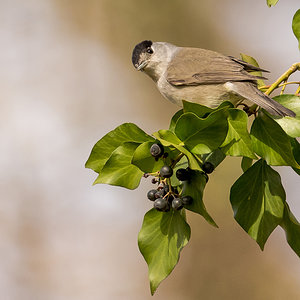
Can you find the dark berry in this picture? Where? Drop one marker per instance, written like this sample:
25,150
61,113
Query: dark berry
175,190
166,188
186,200
206,177
177,204
160,193
157,150
161,204
170,198
208,167
166,171
183,174
151,195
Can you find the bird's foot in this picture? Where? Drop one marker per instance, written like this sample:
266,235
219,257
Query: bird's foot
249,110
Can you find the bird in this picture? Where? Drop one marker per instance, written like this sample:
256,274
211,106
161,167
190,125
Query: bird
202,76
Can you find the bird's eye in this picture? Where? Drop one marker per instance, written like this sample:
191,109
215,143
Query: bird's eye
149,50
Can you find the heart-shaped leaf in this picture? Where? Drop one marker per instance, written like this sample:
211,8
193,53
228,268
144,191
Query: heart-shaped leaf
161,238
291,125
202,136
271,2
271,142
238,141
257,200
194,188
127,132
174,119
144,160
168,138
118,169
203,111
296,25
292,229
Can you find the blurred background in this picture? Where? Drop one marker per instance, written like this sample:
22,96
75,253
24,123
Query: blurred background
66,79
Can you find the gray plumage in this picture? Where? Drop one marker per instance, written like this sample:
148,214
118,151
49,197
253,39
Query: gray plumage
202,76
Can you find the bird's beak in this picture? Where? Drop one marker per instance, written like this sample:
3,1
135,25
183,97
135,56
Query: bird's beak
142,65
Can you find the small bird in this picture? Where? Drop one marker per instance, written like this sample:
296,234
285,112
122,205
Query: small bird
202,76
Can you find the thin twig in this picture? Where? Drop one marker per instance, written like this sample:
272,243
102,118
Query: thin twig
283,87
283,78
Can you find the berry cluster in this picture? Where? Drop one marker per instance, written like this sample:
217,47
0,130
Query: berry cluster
165,196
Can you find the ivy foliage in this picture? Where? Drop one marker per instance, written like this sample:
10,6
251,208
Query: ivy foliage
198,134
296,25
271,2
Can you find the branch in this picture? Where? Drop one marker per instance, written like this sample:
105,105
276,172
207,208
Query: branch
283,78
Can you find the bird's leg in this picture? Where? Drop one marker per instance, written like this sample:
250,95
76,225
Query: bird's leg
249,110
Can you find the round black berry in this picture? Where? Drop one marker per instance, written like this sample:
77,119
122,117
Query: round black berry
166,171
175,190
183,174
206,177
161,204
177,204
151,195
208,167
160,193
186,200
157,150
166,188
170,198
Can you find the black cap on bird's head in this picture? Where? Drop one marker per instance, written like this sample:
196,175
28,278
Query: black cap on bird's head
140,52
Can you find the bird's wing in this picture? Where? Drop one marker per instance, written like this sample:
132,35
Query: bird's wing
194,66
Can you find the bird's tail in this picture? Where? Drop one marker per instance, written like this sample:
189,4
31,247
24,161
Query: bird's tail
249,91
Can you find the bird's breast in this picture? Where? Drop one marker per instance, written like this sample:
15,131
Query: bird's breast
210,95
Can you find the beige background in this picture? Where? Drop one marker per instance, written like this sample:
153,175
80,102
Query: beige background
66,79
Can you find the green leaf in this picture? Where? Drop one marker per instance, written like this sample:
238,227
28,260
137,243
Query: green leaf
271,2
197,109
202,136
215,157
118,169
296,152
296,25
162,237
257,199
194,188
127,132
290,101
238,141
144,160
203,111
174,120
183,163
252,61
246,163
291,125
271,142
168,138
292,229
